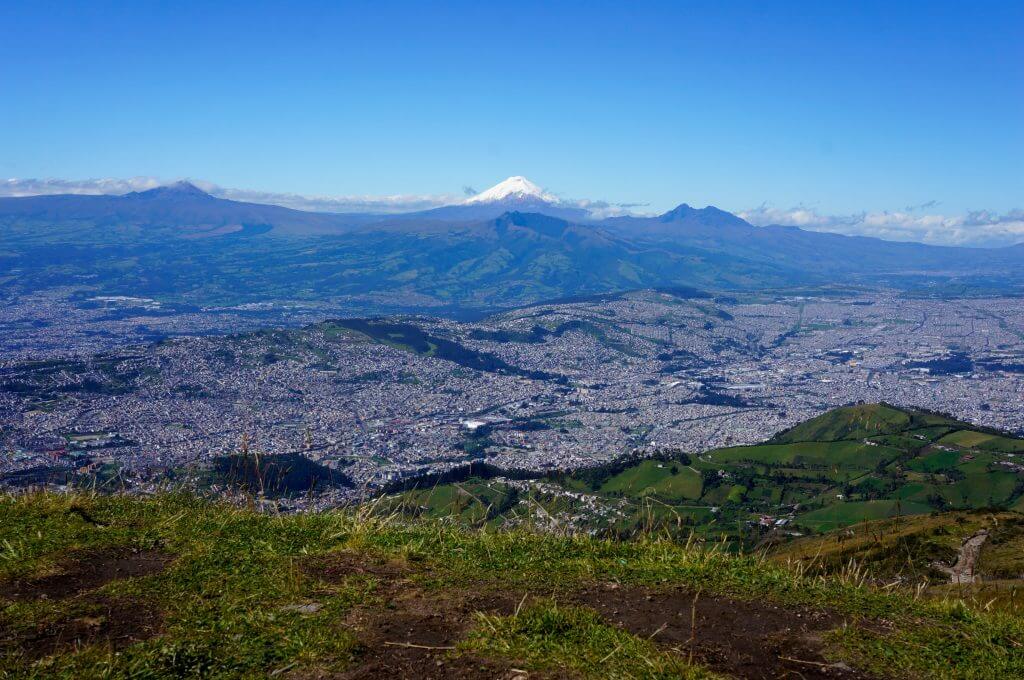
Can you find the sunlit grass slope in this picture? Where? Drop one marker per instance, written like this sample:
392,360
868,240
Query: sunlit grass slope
217,591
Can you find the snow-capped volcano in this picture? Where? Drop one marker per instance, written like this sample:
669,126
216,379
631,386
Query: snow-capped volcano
514,190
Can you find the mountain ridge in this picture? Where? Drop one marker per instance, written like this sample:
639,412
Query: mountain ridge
494,253
514,195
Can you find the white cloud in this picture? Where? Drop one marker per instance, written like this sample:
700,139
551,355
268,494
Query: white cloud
35,187
396,203
600,210
381,204
977,228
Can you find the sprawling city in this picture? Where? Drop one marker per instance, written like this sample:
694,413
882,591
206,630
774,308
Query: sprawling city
488,341
570,384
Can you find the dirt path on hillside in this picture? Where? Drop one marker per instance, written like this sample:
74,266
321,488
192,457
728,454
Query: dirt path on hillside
87,571
964,570
412,634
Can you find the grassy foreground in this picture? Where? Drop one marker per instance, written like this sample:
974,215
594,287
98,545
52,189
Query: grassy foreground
108,586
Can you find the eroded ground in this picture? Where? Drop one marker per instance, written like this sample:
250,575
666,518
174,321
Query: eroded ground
86,616
412,631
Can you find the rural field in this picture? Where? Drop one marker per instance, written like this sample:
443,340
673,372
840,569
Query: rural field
850,465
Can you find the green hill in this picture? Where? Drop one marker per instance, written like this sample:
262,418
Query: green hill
171,587
860,421
850,465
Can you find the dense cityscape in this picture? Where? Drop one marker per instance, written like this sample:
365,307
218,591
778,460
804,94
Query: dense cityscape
560,386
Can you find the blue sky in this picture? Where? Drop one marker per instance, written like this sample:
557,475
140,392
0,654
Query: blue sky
836,107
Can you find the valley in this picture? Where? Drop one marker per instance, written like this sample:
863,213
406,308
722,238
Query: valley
549,387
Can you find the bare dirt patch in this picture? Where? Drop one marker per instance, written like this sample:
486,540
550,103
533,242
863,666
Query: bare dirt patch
88,571
414,633
340,566
740,638
113,622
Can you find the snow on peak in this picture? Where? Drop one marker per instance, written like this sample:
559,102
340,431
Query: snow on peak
513,189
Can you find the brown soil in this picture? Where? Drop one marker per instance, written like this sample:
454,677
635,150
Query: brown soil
746,639
92,619
338,567
414,633
115,622
88,571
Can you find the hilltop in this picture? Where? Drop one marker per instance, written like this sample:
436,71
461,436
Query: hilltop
171,586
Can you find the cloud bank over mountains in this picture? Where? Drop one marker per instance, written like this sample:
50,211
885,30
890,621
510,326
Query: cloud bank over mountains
919,223
84,187
378,204
976,228
397,203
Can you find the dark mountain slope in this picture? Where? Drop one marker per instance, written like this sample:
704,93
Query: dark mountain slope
719,231
486,211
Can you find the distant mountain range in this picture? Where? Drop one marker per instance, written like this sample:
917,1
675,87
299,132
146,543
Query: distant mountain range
511,244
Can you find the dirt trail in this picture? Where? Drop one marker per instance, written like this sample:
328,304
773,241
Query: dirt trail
967,560
88,571
113,622
414,632
746,639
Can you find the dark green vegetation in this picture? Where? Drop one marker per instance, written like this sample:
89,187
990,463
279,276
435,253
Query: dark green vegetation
181,246
539,334
412,338
852,464
115,587
273,476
